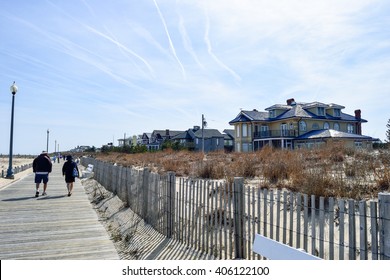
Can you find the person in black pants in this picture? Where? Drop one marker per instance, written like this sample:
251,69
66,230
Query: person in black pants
70,171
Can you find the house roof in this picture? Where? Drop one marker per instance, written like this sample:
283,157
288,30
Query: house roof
229,132
208,133
246,116
191,134
331,133
183,135
297,110
171,133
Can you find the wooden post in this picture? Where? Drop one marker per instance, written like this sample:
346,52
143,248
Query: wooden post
384,225
145,195
374,229
238,209
171,190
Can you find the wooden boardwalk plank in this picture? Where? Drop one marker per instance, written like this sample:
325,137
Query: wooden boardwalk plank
51,227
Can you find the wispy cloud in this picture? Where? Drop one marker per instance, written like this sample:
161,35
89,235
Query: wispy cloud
169,39
135,66
213,56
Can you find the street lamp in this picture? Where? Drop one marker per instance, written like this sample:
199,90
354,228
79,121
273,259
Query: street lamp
10,171
47,141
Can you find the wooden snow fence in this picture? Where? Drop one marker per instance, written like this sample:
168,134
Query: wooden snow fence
223,219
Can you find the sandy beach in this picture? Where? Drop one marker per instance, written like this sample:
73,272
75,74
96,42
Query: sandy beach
15,162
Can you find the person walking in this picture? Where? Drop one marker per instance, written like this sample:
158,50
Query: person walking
42,166
70,171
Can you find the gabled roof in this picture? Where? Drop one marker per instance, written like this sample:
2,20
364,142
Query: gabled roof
171,133
331,133
208,133
297,110
183,135
247,116
229,132
147,134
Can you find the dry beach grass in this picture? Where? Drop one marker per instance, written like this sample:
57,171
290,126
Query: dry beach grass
330,171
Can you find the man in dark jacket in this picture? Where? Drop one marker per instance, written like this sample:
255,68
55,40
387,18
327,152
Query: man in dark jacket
42,166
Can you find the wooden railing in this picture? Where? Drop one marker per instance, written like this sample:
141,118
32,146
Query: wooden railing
275,133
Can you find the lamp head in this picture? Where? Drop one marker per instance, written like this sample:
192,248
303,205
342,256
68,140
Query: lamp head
13,88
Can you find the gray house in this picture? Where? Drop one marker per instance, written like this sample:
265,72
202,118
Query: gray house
194,138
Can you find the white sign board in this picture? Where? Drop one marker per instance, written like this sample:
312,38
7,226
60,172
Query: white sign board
274,250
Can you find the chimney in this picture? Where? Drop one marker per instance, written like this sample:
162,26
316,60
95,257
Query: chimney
358,114
358,117
167,132
290,101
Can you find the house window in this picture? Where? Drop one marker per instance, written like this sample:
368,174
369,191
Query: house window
336,126
321,111
302,126
244,130
337,112
350,128
326,125
217,142
358,144
238,130
264,131
271,113
283,129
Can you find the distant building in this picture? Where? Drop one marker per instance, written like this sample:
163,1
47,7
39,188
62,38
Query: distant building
193,139
153,141
80,149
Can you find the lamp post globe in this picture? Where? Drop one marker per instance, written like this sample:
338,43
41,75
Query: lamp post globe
10,171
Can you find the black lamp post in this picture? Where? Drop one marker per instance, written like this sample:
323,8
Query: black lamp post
47,141
10,171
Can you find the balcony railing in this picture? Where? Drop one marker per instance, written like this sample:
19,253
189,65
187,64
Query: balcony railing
276,133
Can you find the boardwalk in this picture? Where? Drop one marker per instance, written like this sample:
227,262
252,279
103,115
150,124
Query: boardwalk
51,227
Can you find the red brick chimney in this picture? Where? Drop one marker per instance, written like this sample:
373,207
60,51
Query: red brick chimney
358,117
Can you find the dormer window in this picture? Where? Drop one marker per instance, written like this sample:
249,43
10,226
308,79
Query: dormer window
337,112
321,111
272,113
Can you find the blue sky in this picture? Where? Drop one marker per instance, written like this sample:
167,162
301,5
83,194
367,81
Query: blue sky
92,71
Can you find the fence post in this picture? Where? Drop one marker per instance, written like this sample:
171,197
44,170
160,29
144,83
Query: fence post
145,194
384,225
238,210
171,190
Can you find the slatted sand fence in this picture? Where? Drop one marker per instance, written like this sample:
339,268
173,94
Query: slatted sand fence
221,218
333,229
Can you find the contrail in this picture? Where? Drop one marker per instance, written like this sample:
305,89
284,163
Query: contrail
104,35
209,49
169,38
120,45
187,42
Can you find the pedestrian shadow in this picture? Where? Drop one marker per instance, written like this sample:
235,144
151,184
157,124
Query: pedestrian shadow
18,198
52,197
33,197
